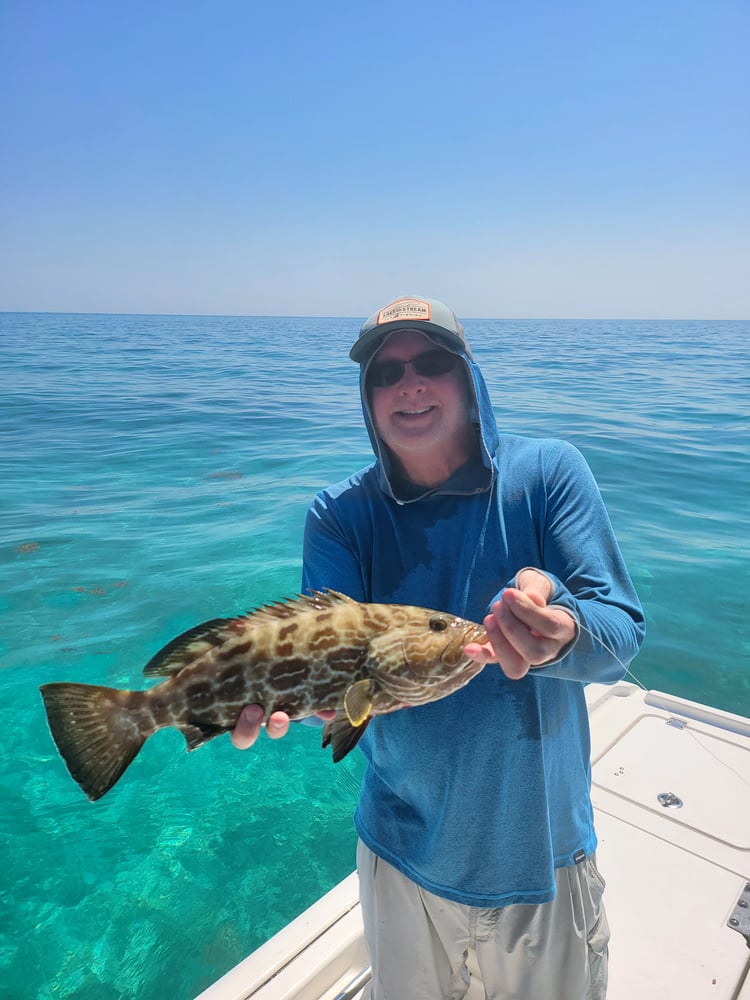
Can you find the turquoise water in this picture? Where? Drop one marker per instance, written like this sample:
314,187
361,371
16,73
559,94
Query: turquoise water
155,473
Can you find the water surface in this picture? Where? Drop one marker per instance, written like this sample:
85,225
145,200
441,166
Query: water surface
156,472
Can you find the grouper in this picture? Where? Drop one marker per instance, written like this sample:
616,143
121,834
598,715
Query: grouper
316,652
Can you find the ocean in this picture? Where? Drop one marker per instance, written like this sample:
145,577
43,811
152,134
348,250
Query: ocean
155,472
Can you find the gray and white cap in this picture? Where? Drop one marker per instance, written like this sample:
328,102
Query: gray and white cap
428,316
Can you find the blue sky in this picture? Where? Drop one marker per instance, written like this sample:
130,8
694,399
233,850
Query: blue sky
525,159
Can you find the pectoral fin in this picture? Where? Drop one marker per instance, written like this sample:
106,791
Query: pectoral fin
358,701
342,737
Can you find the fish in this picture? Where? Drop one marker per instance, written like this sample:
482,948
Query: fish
315,652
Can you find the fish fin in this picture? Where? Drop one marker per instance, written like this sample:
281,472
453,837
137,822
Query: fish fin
328,598
196,734
342,736
96,732
184,649
358,701
318,600
189,646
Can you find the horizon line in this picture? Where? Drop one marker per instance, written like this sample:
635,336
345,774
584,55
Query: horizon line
587,319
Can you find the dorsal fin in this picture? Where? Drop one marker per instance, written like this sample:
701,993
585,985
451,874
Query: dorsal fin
318,600
187,647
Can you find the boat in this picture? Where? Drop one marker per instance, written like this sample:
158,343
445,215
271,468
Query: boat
671,793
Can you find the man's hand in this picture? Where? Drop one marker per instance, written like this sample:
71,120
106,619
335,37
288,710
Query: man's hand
249,724
522,631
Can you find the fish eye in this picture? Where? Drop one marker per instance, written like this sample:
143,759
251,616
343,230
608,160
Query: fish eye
438,623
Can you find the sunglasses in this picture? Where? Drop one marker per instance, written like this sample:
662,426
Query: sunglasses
429,364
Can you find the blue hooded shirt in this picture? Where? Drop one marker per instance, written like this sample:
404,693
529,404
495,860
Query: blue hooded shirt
478,797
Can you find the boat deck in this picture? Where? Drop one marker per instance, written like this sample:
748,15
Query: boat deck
671,791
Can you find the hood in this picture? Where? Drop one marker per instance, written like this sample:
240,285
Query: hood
470,478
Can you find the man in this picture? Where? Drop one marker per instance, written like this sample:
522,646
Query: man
475,821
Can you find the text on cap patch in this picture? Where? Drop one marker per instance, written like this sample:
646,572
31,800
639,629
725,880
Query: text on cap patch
404,309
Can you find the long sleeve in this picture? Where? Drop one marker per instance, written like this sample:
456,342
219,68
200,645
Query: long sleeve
581,556
329,558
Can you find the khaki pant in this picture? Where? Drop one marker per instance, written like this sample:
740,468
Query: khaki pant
419,942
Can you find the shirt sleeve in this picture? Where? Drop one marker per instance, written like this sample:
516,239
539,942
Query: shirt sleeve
584,563
329,558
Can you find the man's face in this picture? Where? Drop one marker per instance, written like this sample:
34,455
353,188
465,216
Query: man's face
422,417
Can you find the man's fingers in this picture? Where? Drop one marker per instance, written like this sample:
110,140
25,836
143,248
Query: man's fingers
536,585
522,631
277,725
528,609
480,654
506,637
247,730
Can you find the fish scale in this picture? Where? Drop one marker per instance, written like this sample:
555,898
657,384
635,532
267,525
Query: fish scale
318,652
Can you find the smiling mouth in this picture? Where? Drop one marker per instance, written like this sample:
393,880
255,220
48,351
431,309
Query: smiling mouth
415,413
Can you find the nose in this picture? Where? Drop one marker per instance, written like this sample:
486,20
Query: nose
411,379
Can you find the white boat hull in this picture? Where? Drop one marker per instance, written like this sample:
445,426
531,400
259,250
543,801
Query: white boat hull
671,792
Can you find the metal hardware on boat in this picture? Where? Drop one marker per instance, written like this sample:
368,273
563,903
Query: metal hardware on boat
676,723
669,800
359,982
740,919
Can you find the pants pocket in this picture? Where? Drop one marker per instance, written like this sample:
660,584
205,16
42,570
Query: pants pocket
597,928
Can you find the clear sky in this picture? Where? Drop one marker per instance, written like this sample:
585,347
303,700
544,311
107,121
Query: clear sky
516,158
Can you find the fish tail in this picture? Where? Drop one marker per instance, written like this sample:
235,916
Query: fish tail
96,730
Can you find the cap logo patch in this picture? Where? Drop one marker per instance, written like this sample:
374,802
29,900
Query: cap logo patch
404,309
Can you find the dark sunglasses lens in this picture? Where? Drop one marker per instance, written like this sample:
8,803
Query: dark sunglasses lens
385,373
434,363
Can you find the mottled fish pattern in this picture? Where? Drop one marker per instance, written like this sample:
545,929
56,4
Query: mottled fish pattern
314,653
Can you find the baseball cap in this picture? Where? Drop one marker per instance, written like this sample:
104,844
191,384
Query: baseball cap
427,316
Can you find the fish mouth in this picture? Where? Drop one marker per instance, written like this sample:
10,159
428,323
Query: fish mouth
455,649
477,633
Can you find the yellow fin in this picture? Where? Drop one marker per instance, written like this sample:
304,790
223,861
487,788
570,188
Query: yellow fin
358,701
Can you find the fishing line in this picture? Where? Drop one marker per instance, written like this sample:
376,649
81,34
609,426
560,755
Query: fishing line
684,725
